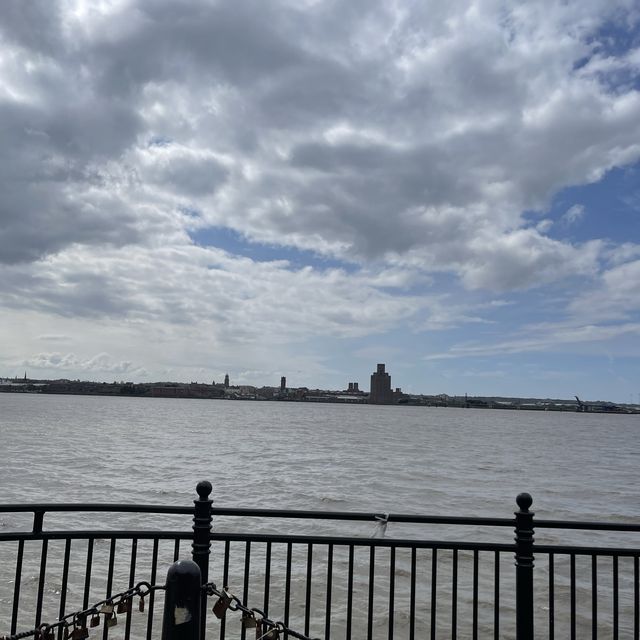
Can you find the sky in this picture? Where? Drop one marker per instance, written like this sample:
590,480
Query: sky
310,187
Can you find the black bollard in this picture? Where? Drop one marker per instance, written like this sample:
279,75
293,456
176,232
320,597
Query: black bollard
181,619
524,568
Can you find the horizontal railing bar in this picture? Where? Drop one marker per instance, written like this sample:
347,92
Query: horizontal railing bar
260,513
317,515
95,535
79,507
587,551
367,516
315,539
592,526
364,542
258,537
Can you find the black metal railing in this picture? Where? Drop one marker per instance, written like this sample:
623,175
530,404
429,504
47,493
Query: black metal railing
327,585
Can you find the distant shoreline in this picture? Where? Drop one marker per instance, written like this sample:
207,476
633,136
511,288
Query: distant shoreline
274,394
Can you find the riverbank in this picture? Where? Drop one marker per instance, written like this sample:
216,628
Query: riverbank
203,391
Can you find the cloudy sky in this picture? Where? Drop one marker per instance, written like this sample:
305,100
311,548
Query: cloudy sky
309,187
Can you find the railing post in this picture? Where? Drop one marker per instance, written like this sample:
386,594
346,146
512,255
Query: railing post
524,568
181,619
201,547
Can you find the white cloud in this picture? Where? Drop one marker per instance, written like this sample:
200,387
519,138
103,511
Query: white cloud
616,294
573,214
544,338
100,363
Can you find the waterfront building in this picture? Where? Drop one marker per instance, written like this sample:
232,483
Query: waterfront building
226,381
283,384
380,387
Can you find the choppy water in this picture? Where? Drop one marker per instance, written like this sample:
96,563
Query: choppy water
331,457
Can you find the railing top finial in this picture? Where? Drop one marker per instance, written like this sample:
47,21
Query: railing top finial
204,489
524,501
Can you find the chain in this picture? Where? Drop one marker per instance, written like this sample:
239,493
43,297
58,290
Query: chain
251,617
74,625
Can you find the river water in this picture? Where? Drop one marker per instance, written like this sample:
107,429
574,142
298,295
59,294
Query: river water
419,460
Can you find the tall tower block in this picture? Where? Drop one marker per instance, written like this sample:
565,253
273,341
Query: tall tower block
380,387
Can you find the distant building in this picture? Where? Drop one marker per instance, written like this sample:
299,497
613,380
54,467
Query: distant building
283,384
380,387
353,388
226,381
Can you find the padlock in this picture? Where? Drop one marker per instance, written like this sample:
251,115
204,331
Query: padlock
95,620
222,604
249,621
141,604
107,608
112,621
123,606
79,633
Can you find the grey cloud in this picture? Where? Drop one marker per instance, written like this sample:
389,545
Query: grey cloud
238,43
34,24
370,131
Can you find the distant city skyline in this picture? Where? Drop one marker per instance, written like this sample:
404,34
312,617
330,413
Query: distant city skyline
302,189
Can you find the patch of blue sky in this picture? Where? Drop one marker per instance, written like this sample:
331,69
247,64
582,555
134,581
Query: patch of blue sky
611,209
544,374
615,39
159,141
506,363
616,36
236,244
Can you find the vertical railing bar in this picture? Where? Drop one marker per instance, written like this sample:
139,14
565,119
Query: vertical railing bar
287,584
392,589
152,580
434,578
636,597
112,558
372,577
225,583
65,580
594,597
38,517
496,595
349,592
87,574
454,595
245,588
573,595
615,597
327,623
176,549
16,587
307,601
43,569
475,595
267,578
412,597
132,578
551,598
